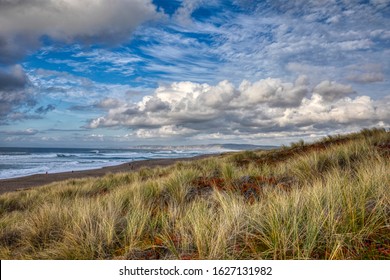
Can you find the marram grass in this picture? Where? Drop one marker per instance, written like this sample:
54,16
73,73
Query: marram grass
325,200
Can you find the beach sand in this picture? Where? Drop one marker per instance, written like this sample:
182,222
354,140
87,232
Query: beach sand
27,182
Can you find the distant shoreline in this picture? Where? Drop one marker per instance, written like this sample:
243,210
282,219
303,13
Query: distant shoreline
31,181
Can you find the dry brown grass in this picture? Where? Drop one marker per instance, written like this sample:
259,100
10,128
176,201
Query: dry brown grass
326,200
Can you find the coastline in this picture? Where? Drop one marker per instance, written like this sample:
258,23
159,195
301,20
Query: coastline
36,180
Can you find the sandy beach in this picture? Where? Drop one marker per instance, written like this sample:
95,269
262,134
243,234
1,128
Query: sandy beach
22,183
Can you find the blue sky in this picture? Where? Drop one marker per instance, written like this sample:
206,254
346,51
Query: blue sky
123,73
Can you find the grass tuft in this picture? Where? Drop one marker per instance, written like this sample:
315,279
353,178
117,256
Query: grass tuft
324,200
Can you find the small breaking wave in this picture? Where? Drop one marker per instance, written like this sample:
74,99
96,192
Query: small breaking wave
66,156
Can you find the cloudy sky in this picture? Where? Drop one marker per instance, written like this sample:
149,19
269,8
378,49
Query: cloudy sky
117,73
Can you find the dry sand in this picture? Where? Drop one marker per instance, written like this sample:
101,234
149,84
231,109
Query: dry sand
21,183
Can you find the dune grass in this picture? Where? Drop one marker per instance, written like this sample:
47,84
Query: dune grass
325,200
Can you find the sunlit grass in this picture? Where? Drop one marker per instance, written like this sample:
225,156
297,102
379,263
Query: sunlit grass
326,200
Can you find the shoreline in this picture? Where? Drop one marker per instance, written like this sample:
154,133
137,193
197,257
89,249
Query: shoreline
37,180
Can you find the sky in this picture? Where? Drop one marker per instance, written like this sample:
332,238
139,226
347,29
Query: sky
119,73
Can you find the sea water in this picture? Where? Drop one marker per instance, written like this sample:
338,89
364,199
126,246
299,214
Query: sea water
18,162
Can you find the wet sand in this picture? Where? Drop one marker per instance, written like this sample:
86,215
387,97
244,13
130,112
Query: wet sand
27,182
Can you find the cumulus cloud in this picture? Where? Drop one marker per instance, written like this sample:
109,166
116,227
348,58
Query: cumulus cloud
273,92
331,91
314,111
23,23
268,105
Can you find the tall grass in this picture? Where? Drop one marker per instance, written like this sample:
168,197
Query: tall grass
334,204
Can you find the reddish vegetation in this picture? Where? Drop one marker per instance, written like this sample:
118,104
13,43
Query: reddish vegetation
251,187
384,149
377,247
149,254
174,238
159,249
158,241
189,257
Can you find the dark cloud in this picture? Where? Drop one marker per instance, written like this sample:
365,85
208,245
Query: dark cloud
44,110
12,78
14,93
21,116
366,78
104,104
13,48
23,23
156,105
81,108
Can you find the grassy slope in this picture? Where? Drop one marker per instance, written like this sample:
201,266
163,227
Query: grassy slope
327,200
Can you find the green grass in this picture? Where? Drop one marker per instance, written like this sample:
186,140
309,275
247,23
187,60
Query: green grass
325,200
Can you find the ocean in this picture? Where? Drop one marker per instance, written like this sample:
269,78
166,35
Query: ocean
18,162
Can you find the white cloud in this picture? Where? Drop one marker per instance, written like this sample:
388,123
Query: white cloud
355,45
272,92
119,62
361,110
381,34
183,14
73,89
269,105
